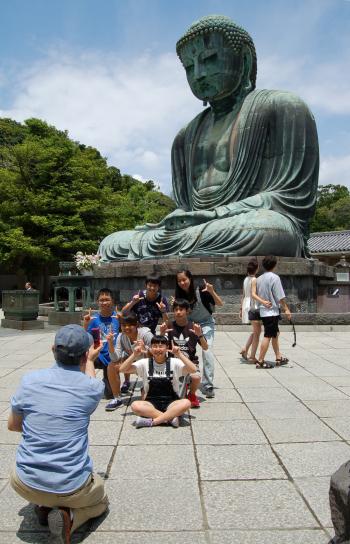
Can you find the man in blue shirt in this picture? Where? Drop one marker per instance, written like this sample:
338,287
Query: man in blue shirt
52,408
100,325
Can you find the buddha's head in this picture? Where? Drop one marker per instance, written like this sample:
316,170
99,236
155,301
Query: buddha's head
219,58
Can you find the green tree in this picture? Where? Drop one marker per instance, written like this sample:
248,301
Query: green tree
332,210
59,196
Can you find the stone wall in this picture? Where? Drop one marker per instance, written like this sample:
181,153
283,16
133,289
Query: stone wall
300,278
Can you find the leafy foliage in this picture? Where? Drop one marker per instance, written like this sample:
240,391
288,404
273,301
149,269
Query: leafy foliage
58,196
333,209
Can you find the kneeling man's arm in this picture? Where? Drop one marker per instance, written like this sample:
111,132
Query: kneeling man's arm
14,422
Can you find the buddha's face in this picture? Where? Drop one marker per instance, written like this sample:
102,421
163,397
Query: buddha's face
213,69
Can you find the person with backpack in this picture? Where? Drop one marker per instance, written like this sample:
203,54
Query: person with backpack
202,302
160,374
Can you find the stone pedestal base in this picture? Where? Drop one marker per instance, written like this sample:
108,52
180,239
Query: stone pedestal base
64,318
22,325
300,278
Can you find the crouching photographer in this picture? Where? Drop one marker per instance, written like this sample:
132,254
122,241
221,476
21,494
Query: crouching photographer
52,408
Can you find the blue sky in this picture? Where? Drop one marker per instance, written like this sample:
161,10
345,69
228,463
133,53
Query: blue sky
107,71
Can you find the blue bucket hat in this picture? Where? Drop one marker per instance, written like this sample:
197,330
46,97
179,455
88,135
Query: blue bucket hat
71,342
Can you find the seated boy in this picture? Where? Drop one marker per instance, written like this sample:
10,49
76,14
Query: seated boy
161,378
149,305
127,340
100,325
186,334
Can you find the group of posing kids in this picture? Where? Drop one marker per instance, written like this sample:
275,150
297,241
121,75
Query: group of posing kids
167,362
52,407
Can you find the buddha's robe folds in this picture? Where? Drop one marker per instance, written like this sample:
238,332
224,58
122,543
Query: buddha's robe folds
264,205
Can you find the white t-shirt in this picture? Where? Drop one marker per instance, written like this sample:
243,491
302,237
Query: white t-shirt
176,365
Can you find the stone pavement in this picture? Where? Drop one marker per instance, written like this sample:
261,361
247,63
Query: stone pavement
251,466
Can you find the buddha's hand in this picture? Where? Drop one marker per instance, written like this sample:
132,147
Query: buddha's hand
184,219
162,223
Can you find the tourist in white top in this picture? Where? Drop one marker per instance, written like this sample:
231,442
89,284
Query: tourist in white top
249,311
161,380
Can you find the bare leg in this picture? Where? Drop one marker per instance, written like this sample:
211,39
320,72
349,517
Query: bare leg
126,377
276,347
176,408
143,408
263,348
248,344
195,382
114,378
256,337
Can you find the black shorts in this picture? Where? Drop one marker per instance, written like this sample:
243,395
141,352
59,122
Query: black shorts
254,315
159,403
270,323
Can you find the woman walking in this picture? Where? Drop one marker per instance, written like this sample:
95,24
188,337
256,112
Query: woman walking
249,312
202,301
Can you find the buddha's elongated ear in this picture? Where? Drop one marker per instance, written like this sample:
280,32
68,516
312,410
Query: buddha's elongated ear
247,68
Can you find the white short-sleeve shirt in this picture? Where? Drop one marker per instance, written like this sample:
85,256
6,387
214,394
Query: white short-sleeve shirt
176,366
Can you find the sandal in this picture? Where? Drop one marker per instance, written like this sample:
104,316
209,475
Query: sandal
263,364
244,354
282,361
253,360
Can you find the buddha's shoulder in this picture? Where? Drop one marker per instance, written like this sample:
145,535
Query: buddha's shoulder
276,99
191,126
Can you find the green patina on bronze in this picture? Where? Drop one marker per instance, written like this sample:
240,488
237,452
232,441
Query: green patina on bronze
244,171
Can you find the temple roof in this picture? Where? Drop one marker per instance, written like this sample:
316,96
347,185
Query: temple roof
329,242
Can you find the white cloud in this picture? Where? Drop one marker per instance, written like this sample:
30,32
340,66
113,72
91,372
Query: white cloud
130,110
325,86
335,170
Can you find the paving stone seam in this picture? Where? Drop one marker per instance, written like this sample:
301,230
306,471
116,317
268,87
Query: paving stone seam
21,367
337,388
200,489
314,413
280,462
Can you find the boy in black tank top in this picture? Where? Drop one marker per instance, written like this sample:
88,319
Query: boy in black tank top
184,333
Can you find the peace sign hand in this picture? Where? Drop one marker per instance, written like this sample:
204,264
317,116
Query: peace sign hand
197,329
163,329
208,287
140,347
136,298
87,317
161,307
175,350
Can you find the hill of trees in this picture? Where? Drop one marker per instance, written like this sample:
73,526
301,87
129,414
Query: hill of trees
59,196
333,209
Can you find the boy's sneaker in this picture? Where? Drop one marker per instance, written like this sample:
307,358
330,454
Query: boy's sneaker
175,422
60,523
194,400
113,405
209,393
125,388
143,422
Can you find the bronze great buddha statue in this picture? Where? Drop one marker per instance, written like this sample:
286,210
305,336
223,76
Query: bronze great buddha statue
244,171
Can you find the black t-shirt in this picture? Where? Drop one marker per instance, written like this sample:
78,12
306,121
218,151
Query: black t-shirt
147,311
185,339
